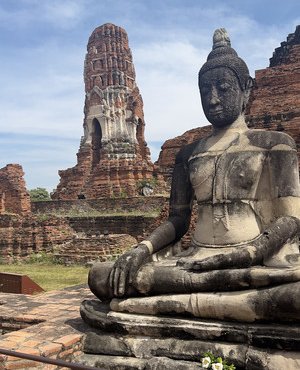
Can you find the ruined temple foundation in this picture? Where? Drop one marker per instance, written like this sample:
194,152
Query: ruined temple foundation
113,155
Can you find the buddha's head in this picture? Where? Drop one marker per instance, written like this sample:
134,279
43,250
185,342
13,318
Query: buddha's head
224,82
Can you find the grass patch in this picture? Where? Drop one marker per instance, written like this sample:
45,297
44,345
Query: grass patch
49,276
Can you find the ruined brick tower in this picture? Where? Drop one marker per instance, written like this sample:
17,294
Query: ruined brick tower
275,99
113,155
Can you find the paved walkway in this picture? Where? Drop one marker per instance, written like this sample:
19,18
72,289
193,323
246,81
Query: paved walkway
46,324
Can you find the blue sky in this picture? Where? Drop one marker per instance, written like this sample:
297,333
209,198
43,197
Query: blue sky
43,45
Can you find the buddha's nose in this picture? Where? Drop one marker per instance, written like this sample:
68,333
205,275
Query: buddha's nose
214,97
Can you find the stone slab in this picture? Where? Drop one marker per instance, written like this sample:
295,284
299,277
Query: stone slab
270,336
125,363
170,353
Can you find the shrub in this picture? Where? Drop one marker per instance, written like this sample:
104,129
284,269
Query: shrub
39,194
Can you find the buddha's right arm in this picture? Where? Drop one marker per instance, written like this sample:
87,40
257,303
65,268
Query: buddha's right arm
181,200
127,265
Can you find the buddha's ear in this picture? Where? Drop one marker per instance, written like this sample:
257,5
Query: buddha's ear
247,91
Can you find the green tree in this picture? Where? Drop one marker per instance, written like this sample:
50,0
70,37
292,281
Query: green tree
39,194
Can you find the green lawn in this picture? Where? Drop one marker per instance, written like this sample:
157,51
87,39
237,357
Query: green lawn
50,276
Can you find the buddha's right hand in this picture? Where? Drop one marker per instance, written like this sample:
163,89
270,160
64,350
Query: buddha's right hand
126,267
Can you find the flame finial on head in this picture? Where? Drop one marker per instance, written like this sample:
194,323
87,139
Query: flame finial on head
223,55
221,38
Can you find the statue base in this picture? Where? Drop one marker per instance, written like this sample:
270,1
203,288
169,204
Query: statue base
135,341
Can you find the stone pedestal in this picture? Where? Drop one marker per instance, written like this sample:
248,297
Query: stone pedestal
131,341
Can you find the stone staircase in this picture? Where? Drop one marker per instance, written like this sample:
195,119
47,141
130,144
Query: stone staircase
86,249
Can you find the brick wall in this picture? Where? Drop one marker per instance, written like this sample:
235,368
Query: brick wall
136,226
105,205
22,236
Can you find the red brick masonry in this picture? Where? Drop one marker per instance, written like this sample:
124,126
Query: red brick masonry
58,335
14,198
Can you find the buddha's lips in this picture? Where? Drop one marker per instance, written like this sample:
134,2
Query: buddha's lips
215,112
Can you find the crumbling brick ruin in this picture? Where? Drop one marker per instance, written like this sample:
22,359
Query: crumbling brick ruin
14,198
113,155
275,100
274,103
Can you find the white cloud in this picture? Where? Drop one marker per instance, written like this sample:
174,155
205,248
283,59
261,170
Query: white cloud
61,13
167,77
46,94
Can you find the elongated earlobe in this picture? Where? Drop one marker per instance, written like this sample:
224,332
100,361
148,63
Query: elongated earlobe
248,88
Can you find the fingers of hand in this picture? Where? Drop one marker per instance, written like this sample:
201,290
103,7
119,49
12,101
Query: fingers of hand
186,264
111,278
119,275
122,283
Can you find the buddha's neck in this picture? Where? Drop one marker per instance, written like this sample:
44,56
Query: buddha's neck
239,125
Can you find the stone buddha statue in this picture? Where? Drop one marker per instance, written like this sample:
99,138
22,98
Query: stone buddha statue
243,260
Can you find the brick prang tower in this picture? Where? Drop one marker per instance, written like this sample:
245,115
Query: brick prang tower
275,99
113,155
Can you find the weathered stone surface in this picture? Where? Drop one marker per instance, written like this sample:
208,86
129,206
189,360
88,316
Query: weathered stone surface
14,198
113,155
106,344
274,336
161,340
131,363
112,362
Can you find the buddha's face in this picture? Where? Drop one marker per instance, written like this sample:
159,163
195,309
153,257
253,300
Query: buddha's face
221,95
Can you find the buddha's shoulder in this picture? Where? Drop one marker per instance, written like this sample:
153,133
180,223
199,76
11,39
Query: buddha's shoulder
185,152
270,139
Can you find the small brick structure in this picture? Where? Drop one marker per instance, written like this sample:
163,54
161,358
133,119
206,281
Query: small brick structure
14,198
83,237
102,228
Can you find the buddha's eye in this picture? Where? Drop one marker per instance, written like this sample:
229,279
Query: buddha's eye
224,86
